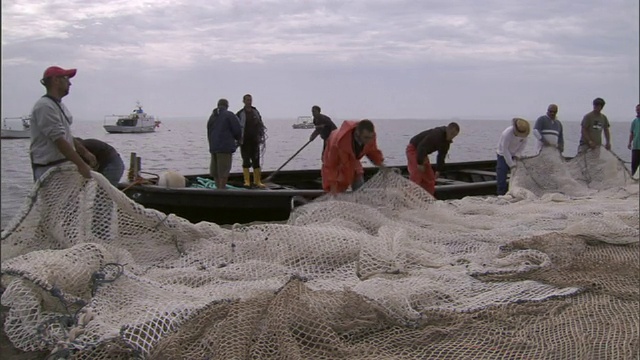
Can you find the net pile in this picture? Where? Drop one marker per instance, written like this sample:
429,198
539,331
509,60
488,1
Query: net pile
549,271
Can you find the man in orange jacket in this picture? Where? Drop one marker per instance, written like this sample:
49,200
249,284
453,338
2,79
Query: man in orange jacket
341,165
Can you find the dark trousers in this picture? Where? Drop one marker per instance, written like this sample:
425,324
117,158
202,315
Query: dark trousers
324,146
501,175
250,155
635,160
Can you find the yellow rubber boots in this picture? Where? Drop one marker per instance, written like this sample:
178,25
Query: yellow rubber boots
247,177
257,178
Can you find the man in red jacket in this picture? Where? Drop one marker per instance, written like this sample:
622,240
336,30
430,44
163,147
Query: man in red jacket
420,146
341,165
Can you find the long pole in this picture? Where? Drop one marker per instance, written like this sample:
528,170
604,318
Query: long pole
286,162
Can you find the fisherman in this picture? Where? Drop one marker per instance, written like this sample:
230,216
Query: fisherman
593,125
324,126
52,143
548,130
253,138
420,146
223,133
108,161
510,147
341,165
634,142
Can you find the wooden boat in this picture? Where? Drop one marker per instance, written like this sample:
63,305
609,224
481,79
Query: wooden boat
304,122
288,190
21,131
136,122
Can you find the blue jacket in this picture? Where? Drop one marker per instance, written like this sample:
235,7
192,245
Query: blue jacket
223,131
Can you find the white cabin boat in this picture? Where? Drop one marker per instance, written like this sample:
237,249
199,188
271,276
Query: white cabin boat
14,129
304,122
136,122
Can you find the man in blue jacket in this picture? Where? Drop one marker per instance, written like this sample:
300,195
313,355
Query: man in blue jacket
224,133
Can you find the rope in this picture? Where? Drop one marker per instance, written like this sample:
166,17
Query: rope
138,181
99,277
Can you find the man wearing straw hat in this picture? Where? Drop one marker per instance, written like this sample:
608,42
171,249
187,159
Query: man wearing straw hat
510,147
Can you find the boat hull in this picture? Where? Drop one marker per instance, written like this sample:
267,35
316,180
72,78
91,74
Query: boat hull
291,189
114,129
15,134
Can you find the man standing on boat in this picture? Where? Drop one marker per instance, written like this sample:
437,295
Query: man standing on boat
420,146
109,163
341,165
593,125
253,139
51,139
548,130
223,133
324,126
510,147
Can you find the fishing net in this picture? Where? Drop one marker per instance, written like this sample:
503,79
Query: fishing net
548,271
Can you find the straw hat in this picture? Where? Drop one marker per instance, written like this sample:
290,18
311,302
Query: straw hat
521,127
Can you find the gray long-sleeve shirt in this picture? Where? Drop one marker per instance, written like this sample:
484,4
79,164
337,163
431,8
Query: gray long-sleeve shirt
48,124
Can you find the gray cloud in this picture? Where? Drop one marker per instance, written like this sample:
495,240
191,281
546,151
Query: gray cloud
361,58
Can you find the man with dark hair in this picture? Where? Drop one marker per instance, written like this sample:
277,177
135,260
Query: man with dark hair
324,126
253,138
108,161
52,143
420,146
634,142
223,133
593,125
341,165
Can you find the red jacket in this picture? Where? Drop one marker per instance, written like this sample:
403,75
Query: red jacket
339,163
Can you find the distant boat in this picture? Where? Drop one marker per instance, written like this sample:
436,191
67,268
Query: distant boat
136,122
304,122
21,131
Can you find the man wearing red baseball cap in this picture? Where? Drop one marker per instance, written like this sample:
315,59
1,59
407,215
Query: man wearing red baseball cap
52,143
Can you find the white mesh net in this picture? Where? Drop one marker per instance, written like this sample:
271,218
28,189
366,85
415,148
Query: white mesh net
549,271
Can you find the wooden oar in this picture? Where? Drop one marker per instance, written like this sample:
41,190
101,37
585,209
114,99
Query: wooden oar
268,179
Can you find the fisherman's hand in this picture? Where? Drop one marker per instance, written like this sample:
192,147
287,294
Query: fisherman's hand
313,136
91,160
629,146
592,144
607,146
85,171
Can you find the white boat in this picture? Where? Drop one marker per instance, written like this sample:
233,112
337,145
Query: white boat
304,122
136,122
19,130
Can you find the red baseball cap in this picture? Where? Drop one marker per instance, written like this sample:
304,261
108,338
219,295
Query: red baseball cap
58,71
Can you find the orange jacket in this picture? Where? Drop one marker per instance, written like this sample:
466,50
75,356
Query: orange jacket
339,164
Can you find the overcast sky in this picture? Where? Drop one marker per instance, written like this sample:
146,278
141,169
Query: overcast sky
356,59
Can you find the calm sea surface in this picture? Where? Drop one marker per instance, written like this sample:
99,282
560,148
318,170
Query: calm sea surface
181,145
